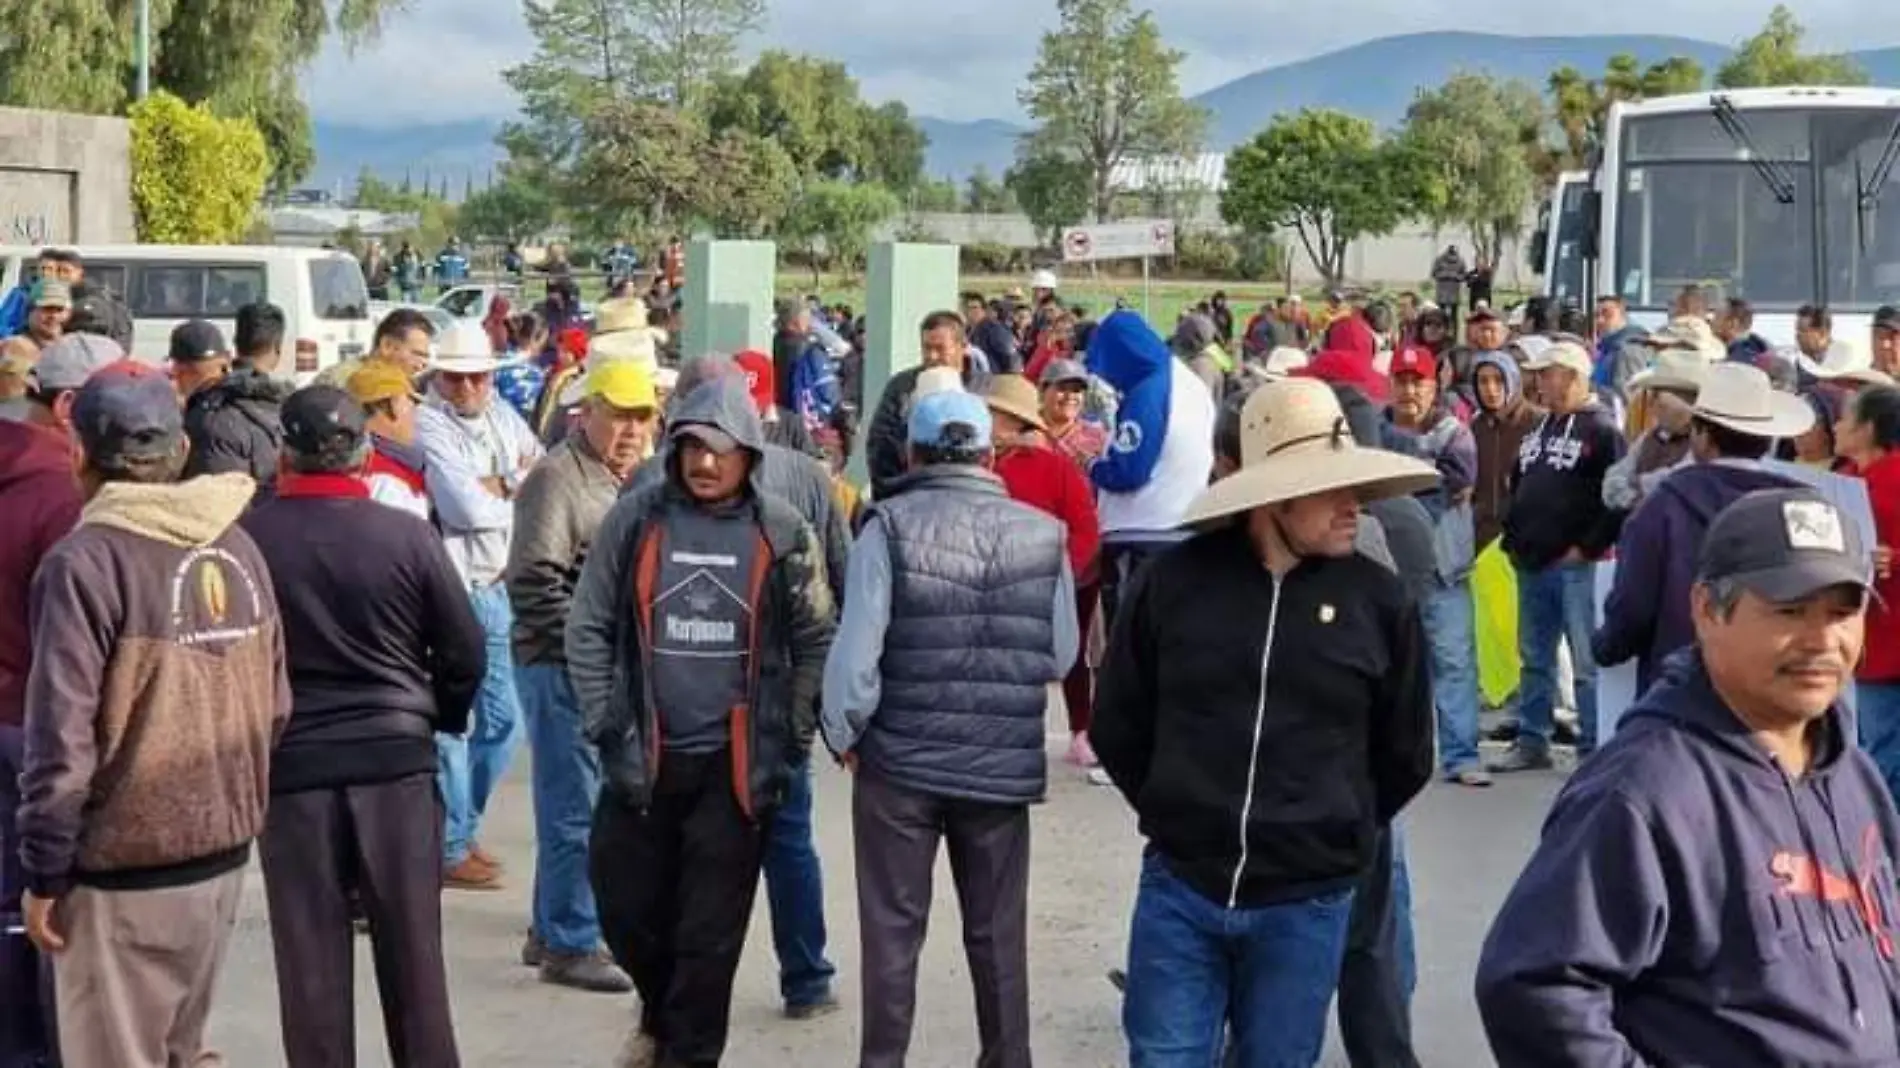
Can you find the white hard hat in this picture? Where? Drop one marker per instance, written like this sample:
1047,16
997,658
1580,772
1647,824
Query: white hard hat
1043,279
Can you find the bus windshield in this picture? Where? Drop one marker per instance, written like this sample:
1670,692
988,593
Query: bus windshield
1752,209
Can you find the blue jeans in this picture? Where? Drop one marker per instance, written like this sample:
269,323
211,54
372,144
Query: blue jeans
1195,967
795,889
1878,722
1451,627
470,768
1557,603
566,783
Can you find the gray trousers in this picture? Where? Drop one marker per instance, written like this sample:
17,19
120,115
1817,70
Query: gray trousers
384,843
897,830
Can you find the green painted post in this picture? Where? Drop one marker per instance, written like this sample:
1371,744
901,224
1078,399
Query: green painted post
728,299
904,284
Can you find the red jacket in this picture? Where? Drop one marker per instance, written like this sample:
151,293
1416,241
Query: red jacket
43,501
1881,663
1048,480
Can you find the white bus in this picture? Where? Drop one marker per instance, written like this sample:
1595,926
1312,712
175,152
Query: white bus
1783,197
1563,247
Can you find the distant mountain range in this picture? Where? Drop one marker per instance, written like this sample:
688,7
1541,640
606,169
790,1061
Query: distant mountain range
1376,79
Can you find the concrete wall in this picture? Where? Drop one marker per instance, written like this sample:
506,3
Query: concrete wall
64,179
1401,258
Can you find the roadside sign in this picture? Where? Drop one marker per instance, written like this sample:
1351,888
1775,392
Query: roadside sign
1131,239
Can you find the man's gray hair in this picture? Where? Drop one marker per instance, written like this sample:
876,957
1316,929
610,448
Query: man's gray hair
1724,595
331,460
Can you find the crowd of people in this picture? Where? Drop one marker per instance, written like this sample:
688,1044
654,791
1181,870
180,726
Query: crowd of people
1267,564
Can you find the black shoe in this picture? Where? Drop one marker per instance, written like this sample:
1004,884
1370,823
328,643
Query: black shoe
813,1010
584,971
1504,732
534,952
1520,758
1118,979
1564,733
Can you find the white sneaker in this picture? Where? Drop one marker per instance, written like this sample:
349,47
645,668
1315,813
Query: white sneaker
1099,777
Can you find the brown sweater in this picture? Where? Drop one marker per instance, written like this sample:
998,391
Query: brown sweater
156,694
1498,435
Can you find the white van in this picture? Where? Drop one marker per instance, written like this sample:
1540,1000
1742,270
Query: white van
322,294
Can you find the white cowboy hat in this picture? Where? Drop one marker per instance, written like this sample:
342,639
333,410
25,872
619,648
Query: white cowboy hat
1283,361
620,313
1841,357
1691,333
638,345
1294,442
1680,369
1863,376
1043,279
463,348
1739,396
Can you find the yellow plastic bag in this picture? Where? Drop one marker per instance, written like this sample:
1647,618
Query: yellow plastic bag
1494,596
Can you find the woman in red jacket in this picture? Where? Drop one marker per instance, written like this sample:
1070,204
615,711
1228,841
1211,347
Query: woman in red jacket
1868,437
1036,474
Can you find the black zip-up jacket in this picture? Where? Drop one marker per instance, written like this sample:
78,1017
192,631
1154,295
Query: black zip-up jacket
234,425
1557,492
383,648
1339,741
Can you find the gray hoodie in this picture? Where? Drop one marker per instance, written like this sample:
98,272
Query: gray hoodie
611,641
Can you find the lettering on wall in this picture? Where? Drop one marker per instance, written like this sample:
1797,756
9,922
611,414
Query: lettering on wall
25,227
36,207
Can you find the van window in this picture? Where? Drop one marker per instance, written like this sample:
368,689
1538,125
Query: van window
337,289
179,290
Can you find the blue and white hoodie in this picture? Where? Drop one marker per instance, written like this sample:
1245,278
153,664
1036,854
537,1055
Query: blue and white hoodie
1161,451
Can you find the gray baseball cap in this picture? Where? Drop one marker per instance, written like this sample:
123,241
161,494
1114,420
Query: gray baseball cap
68,362
1785,545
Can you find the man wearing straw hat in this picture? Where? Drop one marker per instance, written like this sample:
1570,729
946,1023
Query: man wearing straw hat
1737,417
1260,823
477,452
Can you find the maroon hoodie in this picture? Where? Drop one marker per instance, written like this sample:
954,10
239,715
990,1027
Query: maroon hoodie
42,495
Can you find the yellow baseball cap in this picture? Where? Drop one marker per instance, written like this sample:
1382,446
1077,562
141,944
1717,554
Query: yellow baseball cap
379,380
623,384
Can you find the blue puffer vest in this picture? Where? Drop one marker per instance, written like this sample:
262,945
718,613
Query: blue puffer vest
970,650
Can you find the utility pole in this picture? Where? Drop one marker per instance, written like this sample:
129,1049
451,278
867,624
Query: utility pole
142,49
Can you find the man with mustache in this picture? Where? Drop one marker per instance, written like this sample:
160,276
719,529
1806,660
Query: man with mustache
1715,885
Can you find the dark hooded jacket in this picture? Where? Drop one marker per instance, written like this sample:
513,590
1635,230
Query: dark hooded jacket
610,640
234,426
43,500
1690,903
1498,435
1557,495
1647,613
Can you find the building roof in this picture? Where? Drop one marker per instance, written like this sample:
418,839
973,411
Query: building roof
331,221
1207,171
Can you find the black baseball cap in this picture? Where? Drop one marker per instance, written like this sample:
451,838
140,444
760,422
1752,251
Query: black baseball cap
1785,545
195,340
127,411
322,421
1887,317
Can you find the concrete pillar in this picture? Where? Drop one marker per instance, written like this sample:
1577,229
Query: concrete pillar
904,284
728,299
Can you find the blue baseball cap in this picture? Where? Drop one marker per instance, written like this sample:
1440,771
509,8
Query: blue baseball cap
932,416
127,411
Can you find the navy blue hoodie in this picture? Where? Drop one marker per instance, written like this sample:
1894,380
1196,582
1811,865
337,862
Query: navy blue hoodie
1690,904
1647,613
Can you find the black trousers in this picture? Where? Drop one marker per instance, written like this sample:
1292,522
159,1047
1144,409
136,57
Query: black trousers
897,831
1375,1008
674,884
382,844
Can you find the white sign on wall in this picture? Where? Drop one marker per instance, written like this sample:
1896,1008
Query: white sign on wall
1135,239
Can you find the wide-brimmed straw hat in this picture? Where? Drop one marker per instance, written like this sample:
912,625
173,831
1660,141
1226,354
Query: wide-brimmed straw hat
463,348
1014,395
1675,369
1689,333
1294,442
1739,396
1842,357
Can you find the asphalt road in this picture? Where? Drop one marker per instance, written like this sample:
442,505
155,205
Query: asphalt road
1466,846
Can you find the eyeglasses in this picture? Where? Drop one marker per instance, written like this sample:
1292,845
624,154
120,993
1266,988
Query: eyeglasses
459,378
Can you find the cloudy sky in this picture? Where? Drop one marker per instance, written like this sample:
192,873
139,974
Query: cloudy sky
440,60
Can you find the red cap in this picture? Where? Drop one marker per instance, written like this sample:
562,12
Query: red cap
758,377
1413,362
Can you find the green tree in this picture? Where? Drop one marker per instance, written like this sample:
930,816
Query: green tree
808,105
1581,105
840,217
508,210
1326,176
892,146
584,58
1105,89
1053,191
681,46
749,185
1774,57
935,195
242,57
196,178
638,168
983,194
1467,138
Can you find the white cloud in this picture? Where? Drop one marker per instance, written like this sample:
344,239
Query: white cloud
441,60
